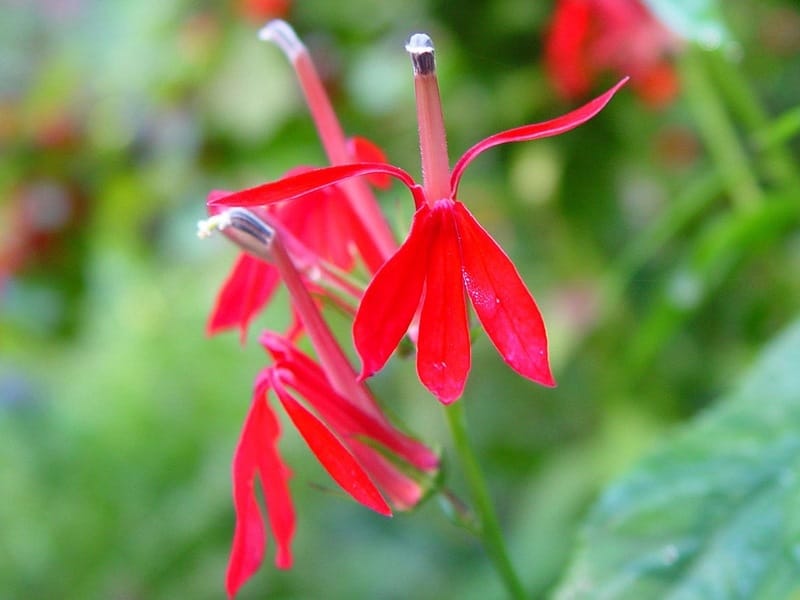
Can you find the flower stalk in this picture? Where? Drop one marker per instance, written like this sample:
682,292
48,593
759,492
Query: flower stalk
489,531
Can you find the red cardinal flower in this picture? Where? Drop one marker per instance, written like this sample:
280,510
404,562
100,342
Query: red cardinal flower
350,441
446,254
589,37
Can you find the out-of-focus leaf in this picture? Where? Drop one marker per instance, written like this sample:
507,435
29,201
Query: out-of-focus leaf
696,20
715,513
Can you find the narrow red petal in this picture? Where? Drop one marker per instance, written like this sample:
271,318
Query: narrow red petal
275,476
362,150
503,304
294,186
392,298
535,131
348,420
334,456
249,539
247,289
308,379
443,347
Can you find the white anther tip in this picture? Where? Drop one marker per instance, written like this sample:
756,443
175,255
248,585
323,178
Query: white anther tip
419,43
280,33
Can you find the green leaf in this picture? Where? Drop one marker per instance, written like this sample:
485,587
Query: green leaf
696,20
715,513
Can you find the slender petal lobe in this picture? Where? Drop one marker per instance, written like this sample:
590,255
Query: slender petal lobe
257,453
246,291
443,349
535,131
275,481
392,298
503,304
300,184
249,536
333,456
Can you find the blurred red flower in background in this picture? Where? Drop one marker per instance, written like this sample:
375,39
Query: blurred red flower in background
587,38
259,11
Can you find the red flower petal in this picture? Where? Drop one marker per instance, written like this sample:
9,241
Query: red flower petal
247,289
257,451
443,347
346,417
362,150
294,186
324,222
249,536
503,304
392,298
275,481
333,455
347,420
535,131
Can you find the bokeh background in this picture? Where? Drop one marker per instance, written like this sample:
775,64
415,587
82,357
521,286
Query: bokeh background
118,417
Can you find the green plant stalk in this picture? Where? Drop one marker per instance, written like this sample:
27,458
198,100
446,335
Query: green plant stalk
489,532
718,132
778,161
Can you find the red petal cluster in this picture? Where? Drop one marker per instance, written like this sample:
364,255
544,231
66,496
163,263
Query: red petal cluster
342,435
323,221
447,253
589,37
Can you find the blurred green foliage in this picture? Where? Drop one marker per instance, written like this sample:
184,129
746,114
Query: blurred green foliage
118,418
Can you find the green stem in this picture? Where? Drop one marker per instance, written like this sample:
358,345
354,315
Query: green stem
718,133
490,533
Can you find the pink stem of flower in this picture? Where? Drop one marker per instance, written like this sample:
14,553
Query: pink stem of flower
432,137
331,134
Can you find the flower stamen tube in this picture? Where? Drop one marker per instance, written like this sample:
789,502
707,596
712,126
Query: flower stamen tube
331,135
432,136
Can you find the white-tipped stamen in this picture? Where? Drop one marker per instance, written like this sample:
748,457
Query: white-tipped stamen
281,34
420,47
243,228
214,223
432,139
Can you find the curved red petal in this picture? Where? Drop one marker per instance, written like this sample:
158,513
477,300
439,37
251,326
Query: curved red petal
347,418
363,150
443,347
256,452
246,290
275,481
349,421
503,304
535,131
392,298
334,456
294,186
